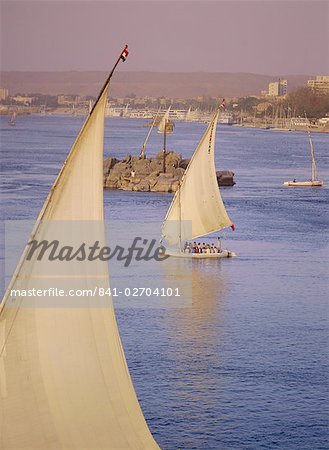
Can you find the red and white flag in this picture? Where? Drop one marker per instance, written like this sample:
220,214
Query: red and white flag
124,53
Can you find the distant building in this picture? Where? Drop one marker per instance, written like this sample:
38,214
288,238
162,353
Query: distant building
65,100
3,93
226,118
320,84
277,88
139,101
23,99
299,122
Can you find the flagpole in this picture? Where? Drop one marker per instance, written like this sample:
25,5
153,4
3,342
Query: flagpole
123,55
110,76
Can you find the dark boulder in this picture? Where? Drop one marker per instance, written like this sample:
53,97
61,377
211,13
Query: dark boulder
225,178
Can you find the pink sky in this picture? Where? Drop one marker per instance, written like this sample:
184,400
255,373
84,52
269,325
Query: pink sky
268,37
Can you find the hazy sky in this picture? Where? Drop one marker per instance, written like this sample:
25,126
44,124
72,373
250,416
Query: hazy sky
268,37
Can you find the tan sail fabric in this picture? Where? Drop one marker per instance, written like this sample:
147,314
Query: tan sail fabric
64,381
197,207
164,120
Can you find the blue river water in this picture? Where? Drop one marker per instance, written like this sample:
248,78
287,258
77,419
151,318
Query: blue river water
245,366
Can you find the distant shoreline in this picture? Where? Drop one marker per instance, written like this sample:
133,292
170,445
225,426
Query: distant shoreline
65,112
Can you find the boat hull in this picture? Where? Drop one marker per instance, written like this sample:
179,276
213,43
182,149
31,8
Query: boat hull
223,254
304,183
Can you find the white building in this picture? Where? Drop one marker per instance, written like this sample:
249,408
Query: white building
320,84
3,93
23,99
278,88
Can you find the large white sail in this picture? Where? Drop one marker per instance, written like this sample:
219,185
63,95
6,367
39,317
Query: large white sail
64,381
164,121
197,207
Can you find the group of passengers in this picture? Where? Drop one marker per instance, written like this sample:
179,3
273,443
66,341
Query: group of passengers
198,247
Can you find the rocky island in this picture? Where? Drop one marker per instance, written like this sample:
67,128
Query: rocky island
148,175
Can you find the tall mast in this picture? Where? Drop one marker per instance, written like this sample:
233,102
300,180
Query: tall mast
314,172
123,56
314,169
265,119
142,153
180,218
164,145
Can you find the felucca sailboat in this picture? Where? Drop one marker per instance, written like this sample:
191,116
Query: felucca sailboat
12,119
64,381
197,208
166,126
313,182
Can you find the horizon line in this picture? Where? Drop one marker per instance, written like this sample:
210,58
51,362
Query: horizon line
156,71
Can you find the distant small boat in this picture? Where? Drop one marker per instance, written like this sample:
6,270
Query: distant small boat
313,182
12,119
165,124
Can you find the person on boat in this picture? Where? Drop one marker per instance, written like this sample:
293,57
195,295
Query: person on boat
187,248
213,249
294,180
196,249
219,245
208,249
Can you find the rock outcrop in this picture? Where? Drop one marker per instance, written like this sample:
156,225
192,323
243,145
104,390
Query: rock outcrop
147,175
225,178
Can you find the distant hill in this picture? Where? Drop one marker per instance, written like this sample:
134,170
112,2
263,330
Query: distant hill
153,84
